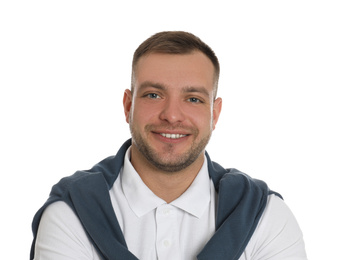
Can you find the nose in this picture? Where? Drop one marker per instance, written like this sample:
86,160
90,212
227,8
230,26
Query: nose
172,111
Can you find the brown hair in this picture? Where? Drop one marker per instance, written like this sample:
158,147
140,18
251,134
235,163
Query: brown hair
175,42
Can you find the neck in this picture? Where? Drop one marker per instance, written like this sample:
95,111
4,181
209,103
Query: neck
166,185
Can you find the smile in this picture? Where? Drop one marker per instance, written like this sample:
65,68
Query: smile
172,136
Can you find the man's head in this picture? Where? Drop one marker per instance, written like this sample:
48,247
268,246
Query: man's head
175,42
172,109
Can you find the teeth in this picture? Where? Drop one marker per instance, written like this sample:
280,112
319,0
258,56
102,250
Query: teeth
172,136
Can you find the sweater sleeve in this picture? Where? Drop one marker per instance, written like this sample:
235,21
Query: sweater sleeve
277,236
61,236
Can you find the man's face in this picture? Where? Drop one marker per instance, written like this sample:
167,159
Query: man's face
172,112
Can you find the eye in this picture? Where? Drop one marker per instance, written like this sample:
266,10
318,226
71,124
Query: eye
153,96
194,100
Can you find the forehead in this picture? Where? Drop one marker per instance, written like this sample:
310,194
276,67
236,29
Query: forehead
175,69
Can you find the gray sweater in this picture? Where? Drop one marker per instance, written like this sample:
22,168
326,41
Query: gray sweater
241,202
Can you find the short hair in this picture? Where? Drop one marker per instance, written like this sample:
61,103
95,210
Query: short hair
175,42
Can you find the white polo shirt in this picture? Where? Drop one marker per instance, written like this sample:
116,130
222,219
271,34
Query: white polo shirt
154,229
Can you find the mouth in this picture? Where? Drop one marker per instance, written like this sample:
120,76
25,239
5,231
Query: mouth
172,136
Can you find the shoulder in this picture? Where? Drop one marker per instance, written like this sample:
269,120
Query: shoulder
87,179
277,215
234,179
278,235
59,215
60,234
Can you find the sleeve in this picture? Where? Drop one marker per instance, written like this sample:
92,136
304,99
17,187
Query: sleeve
61,236
277,236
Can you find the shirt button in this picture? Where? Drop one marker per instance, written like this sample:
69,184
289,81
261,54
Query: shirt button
166,243
166,212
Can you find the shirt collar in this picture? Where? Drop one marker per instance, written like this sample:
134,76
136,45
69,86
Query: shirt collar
197,197
142,200
139,197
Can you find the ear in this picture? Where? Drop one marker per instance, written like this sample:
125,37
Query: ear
127,101
217,105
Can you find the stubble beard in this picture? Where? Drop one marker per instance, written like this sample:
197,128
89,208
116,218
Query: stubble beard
169,163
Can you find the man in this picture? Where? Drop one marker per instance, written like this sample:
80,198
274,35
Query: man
161,197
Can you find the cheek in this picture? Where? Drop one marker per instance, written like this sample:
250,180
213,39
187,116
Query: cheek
142,114
202,119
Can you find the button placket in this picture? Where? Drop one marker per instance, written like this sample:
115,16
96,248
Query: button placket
167,234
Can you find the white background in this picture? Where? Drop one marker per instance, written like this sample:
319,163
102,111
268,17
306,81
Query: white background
65,64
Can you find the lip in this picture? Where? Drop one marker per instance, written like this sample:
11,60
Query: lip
171,132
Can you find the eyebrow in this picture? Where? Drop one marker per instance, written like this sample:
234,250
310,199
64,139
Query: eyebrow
187,89
196,89
147,84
